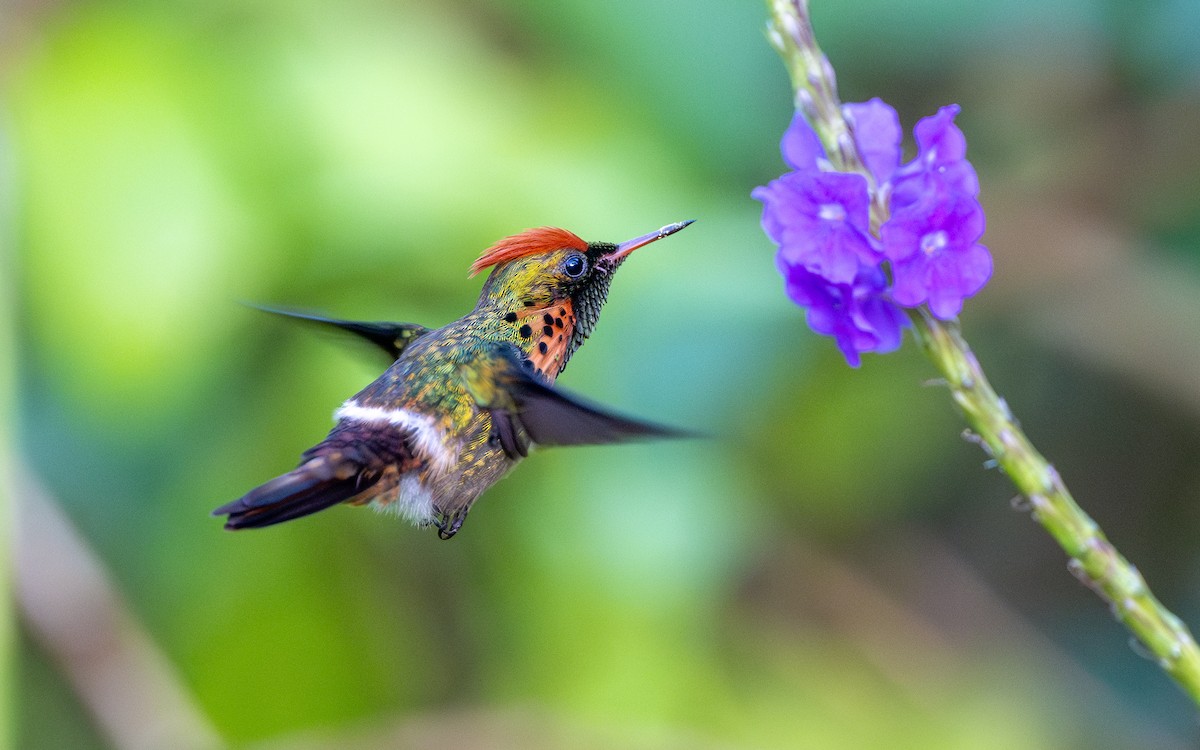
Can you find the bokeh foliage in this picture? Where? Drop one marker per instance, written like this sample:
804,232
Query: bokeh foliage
831,568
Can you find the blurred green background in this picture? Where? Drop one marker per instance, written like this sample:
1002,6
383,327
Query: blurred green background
833,568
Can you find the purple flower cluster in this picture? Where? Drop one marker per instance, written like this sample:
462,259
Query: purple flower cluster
851,281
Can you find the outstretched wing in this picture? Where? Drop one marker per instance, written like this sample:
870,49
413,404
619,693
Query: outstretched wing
518,400
390,337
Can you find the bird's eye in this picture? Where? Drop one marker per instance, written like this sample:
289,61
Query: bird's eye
574,266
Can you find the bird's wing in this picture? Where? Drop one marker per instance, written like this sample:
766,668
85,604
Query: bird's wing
390,337
499,381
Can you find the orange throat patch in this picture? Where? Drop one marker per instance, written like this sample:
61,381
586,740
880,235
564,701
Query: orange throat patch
551,329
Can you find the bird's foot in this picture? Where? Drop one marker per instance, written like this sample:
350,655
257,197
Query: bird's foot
447,525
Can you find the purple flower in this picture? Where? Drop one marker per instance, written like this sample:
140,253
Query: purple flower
941,155
856,314
936,222
928,248
934,252
820,220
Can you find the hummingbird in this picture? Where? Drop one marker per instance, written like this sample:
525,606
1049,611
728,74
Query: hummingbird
461,405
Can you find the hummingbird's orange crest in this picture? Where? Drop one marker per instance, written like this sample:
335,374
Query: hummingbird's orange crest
529,242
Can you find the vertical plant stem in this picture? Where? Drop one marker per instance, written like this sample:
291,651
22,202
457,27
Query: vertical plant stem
1093,559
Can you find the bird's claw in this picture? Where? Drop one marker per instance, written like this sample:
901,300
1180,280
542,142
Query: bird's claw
448,525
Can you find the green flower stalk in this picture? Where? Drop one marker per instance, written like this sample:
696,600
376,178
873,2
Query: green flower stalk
869,246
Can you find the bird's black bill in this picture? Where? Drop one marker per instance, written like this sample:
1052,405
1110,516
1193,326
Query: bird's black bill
628,246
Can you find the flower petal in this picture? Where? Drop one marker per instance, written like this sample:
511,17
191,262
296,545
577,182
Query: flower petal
939,139
877,135
856,315
820,220
800,145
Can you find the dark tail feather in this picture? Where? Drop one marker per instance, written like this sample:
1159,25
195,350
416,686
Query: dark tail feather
312,487
352,460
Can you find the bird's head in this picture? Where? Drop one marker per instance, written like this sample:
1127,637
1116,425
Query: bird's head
541,267
550,286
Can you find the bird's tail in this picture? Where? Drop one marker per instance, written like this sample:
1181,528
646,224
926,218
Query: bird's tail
352,461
